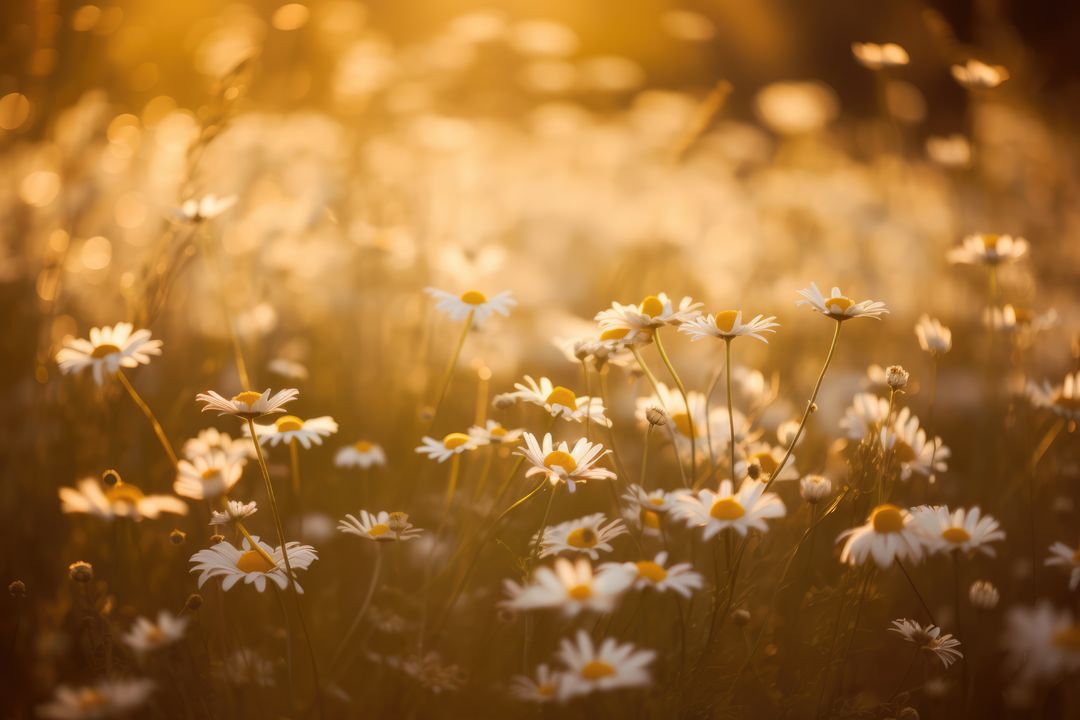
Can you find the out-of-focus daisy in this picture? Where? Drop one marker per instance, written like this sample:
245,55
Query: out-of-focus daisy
571,587
588,535
934,337
207,476
766,459
121,499
929,638
742,510
247,667
1063,399
951,151
873,56
380,527
212,439
493,433
247,404
442,450
560,401
607,348
539,689
207,207
863,419
1061,555
977,75
838,306
234,564
1043,643
234,511
960,529
599,669
362,454
653,312
288,369
287,428
646,509
146,635
988,249
561,463
432,672
679,578
107,698
458,307
1009,318
107,350
889,533
815,488
909,446
728,324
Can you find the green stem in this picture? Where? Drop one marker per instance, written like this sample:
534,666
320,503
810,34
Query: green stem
686,402
730,408
158,430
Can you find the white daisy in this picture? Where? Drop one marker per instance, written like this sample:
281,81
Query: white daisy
966,530
107,698
563,463
610,667
646,510
1061,555
287,428
571,587
107,350
560,401
207,207
930,639
1043,643
640,320
247,667
146,635
539,689
380,527
840,307
910,447
874,56
746,509
988,249
212,439
442,450
767,459
679,420
119,500
729,324
247,404
679,578
234,511
587,535
863,419
889,533
1064,399
1022,321
934,337
234,564
458,307
207,476
493,433
361,454
977,75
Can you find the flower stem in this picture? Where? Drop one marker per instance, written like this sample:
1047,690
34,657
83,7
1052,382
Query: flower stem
918,594
455,470
158,430
294,468
347,638
686,402
449,373
730,408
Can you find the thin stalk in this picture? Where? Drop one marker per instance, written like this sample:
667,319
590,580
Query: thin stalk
449,372
360,614
158,430
686,402
922,601
230,321
455,471
645,455
588,393
730,408
294,468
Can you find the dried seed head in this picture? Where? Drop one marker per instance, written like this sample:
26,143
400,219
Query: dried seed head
81,571
217,538
896,377
753,470
177,536
656,416
815,488
17,589
111,477
194,602
398,522
984,595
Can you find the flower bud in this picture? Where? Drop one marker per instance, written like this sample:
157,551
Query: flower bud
984,595
815,488
177,536
194,602
896,377
17,589
656,416
81,571
741,617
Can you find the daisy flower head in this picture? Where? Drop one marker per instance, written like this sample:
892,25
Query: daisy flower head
288,428
976,75
728,324
589,535
459,307
645,510
107,350
107,698
988,249
493,433
207,207
248,405
917,454
874,56
815,488
452,444
968,531
742,510
638,321
1061,555
863,419
146,635
207,476
1063,400
118,500
233,511
571,587
361,454
679,578
934,338
929,638
761,461
840,307
253,566
560,401
541,688
1023,322
380,527
890,533
561,463
247,667
610,666
1042,642
211,439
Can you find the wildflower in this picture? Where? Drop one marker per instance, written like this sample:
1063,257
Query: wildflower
458,307
207,207
1019,320
563,463
247,667
655,311
380,527
840,307
235,511
984,595
208,476
246,563
212,439
930,639
248,404
934,337
1061,555
865,416
107,350
644,510
81,571
107,698
1063,400
442,450
120,499
977,75
988,249
728,325
815,488
746,509
1043,643
587,535
539,689
964,530
560,401
288,428
655,416
873,56
896,377
889,534
571,587
610,667
432,674
493,433
766,460
910,447
679,578
362,454
146,635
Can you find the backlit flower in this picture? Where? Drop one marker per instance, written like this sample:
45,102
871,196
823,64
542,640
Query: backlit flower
247,404
742,510
207,476
729,324
361,454
934,337
288,428
120,499
838,306
458,307
147,635
588,535
889,533
571,587
234,564
560,401
380,527
960,529
876,57
561,463
977,75
107,698
930,639
655,311
988,249
610,666
107,350
442,450
1061,555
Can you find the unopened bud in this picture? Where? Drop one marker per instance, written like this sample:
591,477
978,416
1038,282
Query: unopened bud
503,401
398,522
217,538
17,589
111,477
655,416
177,537
753,470
81,571
815,488
984,595
194,602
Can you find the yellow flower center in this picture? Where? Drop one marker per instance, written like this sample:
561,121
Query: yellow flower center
597,669
837,305
362,446
614,333
454,440
651,306
727,509
497,431
1076,556
559,458
580,592
288,423
681,421
379,530
1068,638
562,396
545,689
887,519
651,571
121,492
725,320
155,635
990,241
656,501
955,535
766,462
582,537
91,700
473,297
650,519
104,350
248,397
211,473
253,562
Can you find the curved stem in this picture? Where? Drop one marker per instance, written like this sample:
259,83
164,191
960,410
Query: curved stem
686,402
449,372
730,408
347,638
158,430
918,594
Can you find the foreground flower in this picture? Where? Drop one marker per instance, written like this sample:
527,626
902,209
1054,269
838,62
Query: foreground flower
964,530
728,325
442,450
934,337
108,698
610,667
212,439
560,463
247,404
1043,643
873,56
288,428
988,249
361,454
146,635
570,587
653,312
840,307
1061,555
208,476
1063,400
741,511
245,563
679,578
977,75
539,689
587,535
493,433
458,307
380,527
235,511
107,350
889,534
121,500
560,401
930,639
